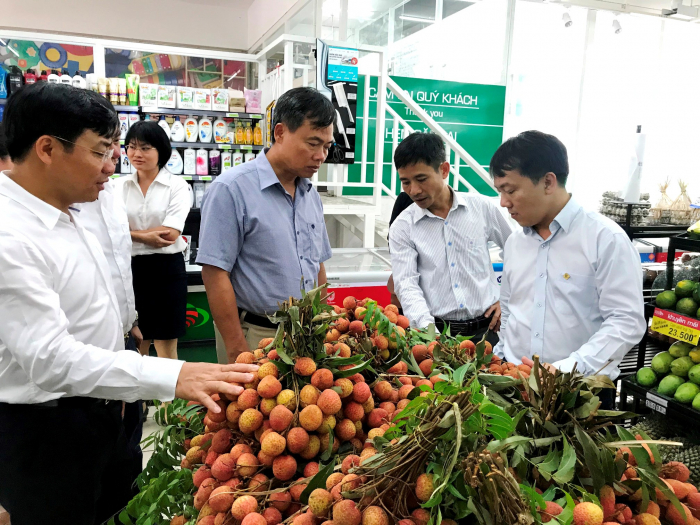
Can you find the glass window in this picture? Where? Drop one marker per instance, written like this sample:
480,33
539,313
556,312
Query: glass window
450,7
375,33
45,56
413,16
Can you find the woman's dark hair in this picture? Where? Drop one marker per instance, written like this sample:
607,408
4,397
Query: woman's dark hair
533,154
58,110
148,132
426,148
3,143
300,104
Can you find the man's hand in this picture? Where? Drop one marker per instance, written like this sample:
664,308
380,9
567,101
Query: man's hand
155,239
199,381
529,362
495,314
240,345
137,335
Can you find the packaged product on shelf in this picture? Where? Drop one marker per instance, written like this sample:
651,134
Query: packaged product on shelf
237,158
240,133
214,162
220,131
123,125
226,160
30,77
132,89
231,133
44,77
123,99
175,165
3,83
167,97
164,124
113,85
78,80
65,78
90,80
53,78
190,162
257,135
248,134
248,157
236,101
205,129
253,100
185,98
125,164
133,118
219,99
177,131
148,95
681,212
101,85
198,194
202,99
191,129
14,80
202,162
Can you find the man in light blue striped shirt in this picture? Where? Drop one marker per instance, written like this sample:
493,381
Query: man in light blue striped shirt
439,245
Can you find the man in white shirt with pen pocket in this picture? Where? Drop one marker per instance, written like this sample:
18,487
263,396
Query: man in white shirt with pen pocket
63,367
571,290
439,245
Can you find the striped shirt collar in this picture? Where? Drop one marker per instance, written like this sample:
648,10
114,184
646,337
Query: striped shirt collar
457,201
563,219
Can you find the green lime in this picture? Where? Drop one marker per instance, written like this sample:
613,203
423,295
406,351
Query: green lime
646,377
687,307
669,385
666,299
661,364
686,393
685,288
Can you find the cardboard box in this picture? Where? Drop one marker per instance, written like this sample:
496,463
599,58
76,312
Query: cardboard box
219,99
148,95
202,99
185,98
167,97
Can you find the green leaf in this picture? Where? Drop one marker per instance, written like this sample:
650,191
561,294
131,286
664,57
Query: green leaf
653,447
592,457
458,376
354,370
550,463
511,442
609,471
452,490
640,454
317,482
568,463
328,453
284,357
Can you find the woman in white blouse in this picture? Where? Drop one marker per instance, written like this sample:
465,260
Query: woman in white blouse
157,203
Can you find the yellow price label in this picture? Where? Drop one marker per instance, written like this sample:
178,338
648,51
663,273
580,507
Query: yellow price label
677,326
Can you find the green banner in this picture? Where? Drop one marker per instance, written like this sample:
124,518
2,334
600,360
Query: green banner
200,324
471,113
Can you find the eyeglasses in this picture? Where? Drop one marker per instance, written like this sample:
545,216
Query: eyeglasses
104,155
142,149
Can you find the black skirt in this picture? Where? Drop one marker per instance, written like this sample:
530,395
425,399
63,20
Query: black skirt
160,290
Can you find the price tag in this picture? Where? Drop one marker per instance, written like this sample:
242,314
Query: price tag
186,177
655,407
205,177
247,147
256,116
224,146
235,115
677,326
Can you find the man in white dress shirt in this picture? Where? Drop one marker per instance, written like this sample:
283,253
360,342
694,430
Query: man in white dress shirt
61,336
572,285
439,245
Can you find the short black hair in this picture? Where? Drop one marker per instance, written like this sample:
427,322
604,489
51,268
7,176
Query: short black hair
55,109
533,154
3,143
427,148
150,133
300,104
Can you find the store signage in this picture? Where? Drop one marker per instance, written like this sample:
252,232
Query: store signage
472,114
676,326
656,403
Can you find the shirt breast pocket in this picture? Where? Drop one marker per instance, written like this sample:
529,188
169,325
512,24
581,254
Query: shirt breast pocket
576,295
314,242
477,255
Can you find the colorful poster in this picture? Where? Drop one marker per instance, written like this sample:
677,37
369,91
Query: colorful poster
342,64
45,56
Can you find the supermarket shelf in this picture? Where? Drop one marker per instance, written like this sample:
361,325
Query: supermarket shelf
3,101
653,232
198,178
126,108
654,401
679,242
187,112
212,145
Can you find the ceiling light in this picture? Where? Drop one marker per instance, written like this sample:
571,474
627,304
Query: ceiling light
408,18
617,27
567,20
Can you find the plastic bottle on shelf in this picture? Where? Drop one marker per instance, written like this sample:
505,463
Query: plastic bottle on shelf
175,165
164,124
177,131
214,162
79,81
123,124
198,194
231,133
125,164
44,77
191,129
53,78
202,162
133,118
226,160
205,130
66,78
30,77
14,80
220,131
257,135
248,134
240,133
190,162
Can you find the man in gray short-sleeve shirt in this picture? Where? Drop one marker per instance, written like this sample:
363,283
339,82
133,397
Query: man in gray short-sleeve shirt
262,228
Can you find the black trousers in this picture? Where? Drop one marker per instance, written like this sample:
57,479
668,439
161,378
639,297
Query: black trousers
64,465
476,335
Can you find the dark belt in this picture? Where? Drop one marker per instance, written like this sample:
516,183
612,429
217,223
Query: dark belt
469,327
70,402
257,320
